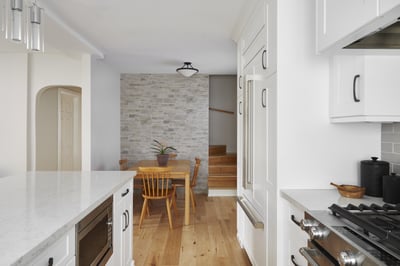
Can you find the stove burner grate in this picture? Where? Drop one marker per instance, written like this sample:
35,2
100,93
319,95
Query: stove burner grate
381,221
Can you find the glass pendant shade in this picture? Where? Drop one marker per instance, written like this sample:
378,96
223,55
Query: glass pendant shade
16,20
34,31
187,70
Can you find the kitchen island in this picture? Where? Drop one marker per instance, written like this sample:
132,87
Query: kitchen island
38,208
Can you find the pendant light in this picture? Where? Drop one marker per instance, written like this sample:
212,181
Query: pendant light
22,24
187,70
34,32
15,20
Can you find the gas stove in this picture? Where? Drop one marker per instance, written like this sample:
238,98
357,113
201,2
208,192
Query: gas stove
353,235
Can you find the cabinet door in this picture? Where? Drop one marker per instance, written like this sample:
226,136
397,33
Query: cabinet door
338,18
259,122
127,234
122,229
386,5
347,86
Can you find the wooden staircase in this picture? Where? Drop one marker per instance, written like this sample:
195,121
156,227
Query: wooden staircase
222,168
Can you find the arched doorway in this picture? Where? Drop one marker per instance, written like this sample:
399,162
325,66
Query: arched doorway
58,128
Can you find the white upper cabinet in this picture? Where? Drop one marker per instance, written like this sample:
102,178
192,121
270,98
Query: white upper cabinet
386,5
338,18
258,39
365,88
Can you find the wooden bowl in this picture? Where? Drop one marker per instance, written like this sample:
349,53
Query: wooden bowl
350,191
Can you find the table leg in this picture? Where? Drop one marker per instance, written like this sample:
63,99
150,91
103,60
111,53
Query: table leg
187,199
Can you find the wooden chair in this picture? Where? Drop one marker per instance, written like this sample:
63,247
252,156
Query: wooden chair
157,185
181,183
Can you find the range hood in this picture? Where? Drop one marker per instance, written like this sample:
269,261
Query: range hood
385,38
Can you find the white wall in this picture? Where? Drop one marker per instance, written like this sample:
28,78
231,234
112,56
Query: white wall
222,126
105,122
13,113
311,151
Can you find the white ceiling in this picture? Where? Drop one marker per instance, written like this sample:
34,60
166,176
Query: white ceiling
149,36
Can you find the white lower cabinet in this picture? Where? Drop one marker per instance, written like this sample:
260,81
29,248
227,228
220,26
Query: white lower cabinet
297,238
252,239
122,229
62,252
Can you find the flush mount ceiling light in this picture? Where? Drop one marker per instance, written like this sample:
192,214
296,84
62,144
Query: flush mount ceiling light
21,23
187,70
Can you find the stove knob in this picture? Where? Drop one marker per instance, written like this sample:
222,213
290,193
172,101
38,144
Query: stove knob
318,232
348,258
306,224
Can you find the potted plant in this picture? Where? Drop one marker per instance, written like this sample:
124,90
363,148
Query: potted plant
162,152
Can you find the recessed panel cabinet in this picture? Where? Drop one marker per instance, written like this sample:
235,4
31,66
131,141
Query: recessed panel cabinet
365,88
122,229
338,18
340,22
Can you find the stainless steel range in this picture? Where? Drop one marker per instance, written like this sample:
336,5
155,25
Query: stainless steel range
353,235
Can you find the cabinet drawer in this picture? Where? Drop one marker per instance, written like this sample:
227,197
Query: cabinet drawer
255,25
61,252
124,191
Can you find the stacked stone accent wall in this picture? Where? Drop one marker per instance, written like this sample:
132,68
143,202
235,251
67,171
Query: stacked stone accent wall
170,108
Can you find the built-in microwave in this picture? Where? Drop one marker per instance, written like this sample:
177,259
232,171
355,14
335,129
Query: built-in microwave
94,236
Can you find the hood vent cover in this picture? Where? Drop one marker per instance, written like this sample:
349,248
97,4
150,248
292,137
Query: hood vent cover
386,38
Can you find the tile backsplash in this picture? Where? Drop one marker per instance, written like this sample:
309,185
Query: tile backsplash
390,145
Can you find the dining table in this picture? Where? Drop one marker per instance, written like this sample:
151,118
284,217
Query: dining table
180,169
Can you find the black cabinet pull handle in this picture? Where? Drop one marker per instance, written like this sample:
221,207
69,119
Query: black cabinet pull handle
123,229
293,259
240,108
264,98
264,53
294,220
354,88
125,193
51,261
240,82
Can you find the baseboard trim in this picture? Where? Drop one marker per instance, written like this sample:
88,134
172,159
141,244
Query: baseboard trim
222,192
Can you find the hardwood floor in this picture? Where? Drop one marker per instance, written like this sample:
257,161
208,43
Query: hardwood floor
209,240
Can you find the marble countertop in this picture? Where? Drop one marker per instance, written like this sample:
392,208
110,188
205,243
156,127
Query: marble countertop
321,199
37,208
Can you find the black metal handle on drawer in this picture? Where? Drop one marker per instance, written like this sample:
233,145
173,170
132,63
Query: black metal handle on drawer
293,259
125,193
51,261
240,82
294,220
354,88
240,108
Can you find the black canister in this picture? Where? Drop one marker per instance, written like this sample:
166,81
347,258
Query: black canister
391,188
372,172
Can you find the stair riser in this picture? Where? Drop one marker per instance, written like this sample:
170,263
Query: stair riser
221,160
221,182
228,170
217,150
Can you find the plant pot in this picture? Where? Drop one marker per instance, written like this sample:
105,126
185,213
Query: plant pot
162,159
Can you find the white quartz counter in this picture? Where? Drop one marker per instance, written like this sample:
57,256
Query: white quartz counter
321,199
39,207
